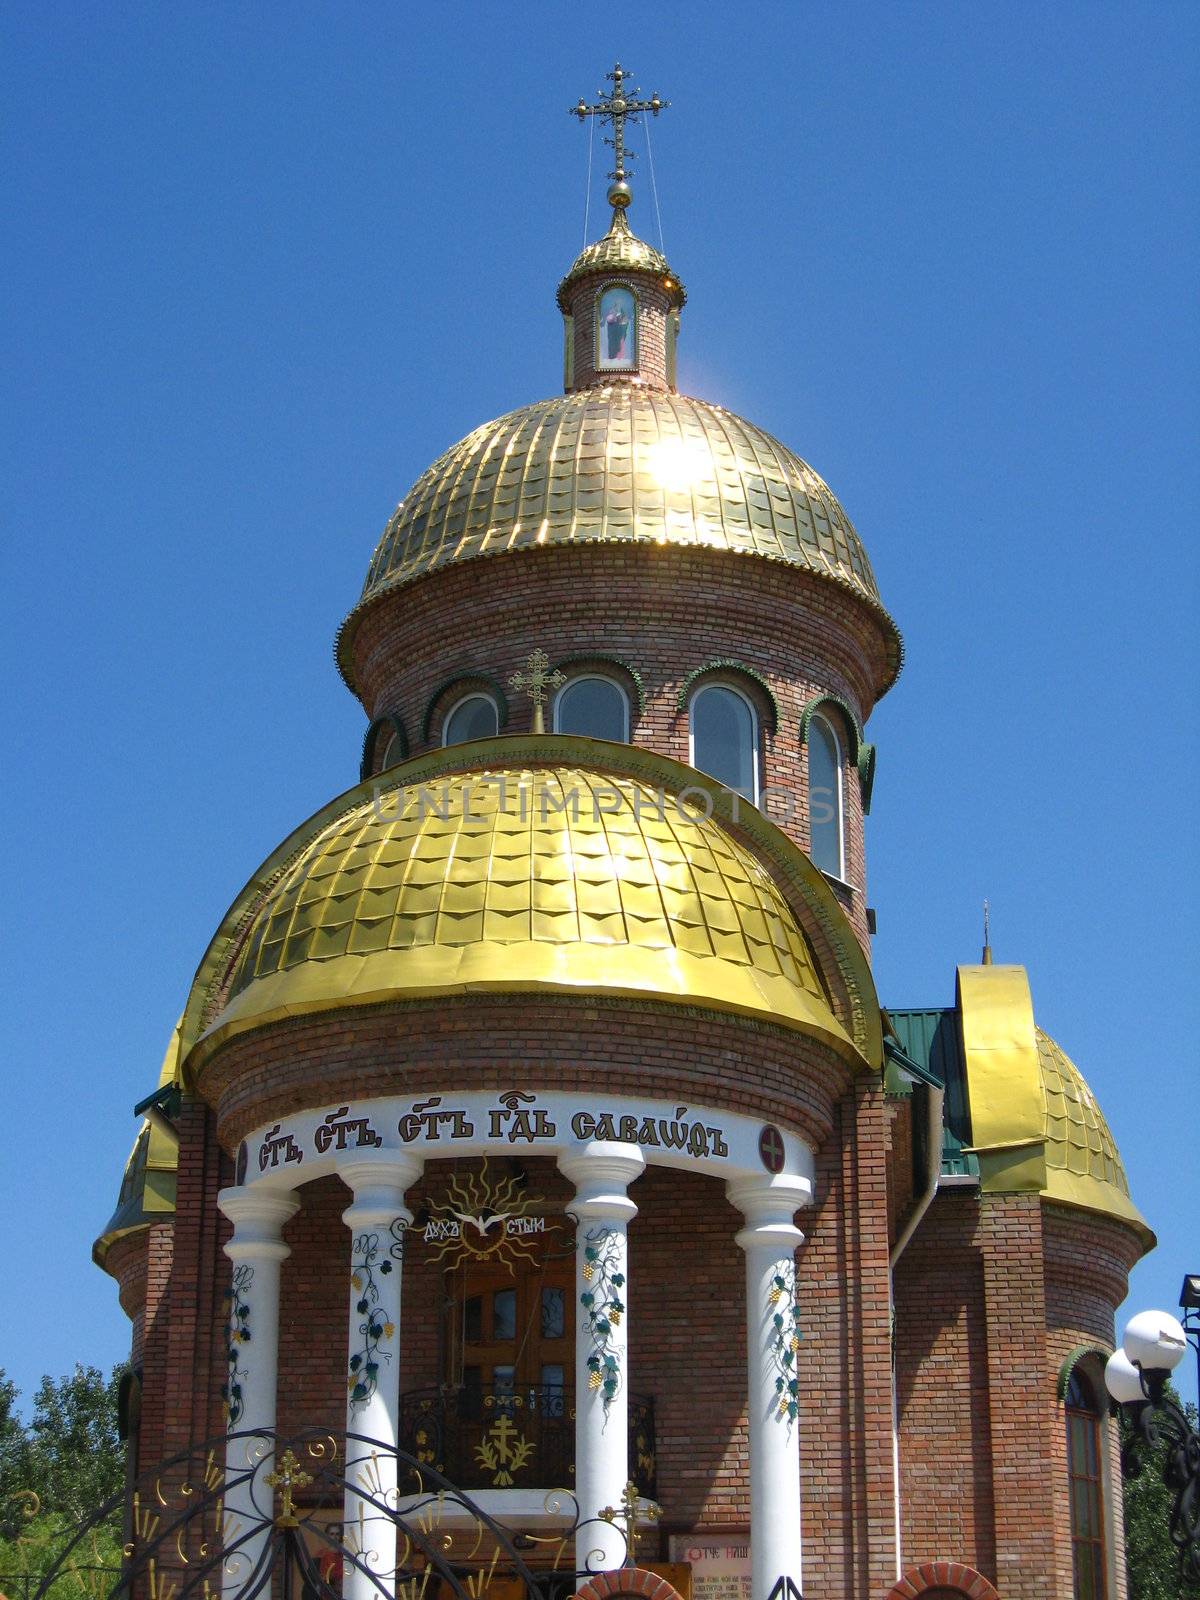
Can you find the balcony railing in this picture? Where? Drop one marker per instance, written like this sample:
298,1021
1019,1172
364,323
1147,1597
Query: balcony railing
512,1437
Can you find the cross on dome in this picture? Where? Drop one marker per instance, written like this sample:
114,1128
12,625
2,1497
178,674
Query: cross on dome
618,105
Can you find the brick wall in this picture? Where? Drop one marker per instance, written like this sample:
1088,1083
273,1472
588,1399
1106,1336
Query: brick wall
942,1398
664,611
502,1042
653,312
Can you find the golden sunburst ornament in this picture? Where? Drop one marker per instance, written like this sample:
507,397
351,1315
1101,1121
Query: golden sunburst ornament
485,1219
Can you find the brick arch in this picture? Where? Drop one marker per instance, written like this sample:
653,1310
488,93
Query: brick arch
628,1583
943,1580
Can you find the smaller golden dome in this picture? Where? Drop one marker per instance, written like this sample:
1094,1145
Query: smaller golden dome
147,1192
1079,1145
1035,1124
512,878
620,250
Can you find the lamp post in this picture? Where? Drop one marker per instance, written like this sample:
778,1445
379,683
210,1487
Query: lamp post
1136,1376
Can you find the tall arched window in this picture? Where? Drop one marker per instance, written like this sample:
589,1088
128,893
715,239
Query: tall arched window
473,717
1085,1468
826,798
393,754
593,707
724,738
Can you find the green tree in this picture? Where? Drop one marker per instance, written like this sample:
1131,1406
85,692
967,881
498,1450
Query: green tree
76,1458
14,1460
55,1474
1151,1560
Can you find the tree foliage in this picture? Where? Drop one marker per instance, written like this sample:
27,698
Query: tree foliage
1151,1560
56,1472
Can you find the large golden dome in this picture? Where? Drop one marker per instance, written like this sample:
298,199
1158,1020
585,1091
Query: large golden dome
622,464
451,883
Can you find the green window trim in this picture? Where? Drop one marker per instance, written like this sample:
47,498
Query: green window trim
390,723
862,754
733,668
592,658
466,682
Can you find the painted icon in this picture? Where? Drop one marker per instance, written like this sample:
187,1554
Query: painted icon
616,331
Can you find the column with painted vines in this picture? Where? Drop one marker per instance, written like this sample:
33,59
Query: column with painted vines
256,1251
601,1172
770,1240
377,1218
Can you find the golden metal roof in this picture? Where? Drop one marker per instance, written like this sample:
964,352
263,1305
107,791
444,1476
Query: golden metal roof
1034,1121
147,1190
626,465
620,250
455,885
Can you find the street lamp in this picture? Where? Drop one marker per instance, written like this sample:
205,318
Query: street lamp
1136,1376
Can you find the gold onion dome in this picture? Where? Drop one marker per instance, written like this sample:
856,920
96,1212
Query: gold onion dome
621,250
620,464
1082,1160
453,885
1035,1124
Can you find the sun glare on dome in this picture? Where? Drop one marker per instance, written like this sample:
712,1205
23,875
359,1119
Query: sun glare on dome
678,463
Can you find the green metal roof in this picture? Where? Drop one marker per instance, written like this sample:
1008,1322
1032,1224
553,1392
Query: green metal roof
930,1039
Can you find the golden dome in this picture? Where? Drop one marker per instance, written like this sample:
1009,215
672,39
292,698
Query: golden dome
453,883
1035,1124
147,1192
620,251
626,465
1082,1159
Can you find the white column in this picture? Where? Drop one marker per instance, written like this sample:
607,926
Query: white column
601,1172
256,1251
377,1218
770,1240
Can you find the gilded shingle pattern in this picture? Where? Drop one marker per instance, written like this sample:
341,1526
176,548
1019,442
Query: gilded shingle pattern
1077,1136
620,250
604,465
466,864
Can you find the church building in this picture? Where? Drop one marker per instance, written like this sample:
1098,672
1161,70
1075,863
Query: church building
537,1195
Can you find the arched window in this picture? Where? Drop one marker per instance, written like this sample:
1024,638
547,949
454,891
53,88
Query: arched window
393,753
616,330
1085,1469
473,717
826,798
724,738
593,707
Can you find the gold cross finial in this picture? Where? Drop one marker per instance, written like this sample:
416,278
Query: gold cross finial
535,680
618,105
285,1479
632,1507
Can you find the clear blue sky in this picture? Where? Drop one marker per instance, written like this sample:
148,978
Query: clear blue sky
264,262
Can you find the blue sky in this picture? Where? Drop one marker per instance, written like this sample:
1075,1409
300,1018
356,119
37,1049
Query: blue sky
266,261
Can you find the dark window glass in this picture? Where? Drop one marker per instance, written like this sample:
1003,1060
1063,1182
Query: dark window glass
473,1319
472,718
552,1385
825,808
724,739
593,708
1084,1466
554,1313
504,1314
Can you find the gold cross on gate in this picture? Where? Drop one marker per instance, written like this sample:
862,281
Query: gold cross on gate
535,680
632,1507
616,105
285,1480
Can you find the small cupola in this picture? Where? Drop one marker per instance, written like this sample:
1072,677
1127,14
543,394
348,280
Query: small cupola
620,301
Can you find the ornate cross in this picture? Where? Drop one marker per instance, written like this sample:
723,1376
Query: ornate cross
632,1507
285,1480
616,105
535,680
